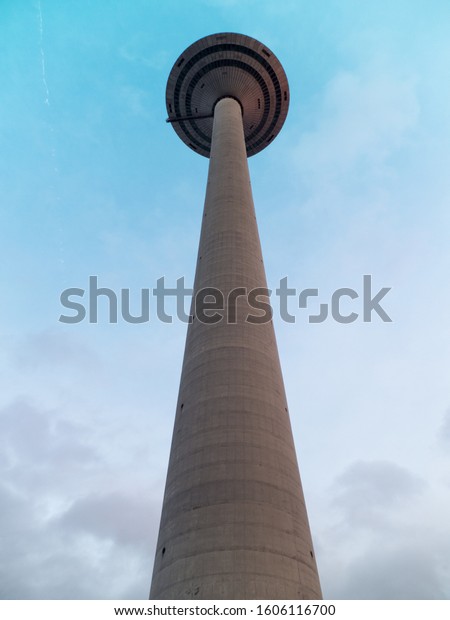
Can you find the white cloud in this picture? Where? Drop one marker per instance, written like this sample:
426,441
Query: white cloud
118,516
136,100
80,498
364,119
371,489
70,526
136,52
444,431
385,529
399,573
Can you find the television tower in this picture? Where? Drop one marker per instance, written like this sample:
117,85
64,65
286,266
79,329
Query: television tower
234,523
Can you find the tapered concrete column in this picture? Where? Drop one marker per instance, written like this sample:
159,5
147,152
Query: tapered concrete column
234,523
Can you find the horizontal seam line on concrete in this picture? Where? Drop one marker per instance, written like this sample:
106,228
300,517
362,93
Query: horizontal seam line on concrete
245,574
218,481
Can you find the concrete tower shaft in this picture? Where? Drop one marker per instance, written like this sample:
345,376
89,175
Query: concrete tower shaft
234,522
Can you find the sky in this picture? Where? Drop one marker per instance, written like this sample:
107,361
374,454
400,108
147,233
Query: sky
94,182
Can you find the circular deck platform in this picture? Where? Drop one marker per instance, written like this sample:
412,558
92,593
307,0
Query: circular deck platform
227,65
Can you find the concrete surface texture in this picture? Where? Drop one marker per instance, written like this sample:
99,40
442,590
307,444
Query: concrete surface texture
234,523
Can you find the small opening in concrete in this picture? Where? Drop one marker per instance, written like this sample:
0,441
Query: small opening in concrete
182,405
180,62
199,258
285,95
266,53
202,86
170,108
312,554
163,551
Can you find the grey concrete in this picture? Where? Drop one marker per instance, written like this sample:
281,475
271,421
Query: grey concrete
234,523
227,64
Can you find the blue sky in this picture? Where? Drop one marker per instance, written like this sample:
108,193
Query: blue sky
94,182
